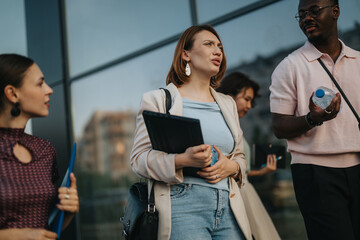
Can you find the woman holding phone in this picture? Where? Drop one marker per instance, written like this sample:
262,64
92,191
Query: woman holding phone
244,91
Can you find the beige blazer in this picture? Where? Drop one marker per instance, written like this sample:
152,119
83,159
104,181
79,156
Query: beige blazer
160,166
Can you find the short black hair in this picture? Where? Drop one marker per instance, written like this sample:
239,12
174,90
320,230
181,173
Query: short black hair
236,82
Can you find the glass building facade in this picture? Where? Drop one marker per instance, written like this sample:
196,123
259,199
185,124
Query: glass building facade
100,56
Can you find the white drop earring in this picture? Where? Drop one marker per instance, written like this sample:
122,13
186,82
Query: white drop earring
187,69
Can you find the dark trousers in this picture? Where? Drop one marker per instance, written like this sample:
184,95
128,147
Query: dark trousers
329,200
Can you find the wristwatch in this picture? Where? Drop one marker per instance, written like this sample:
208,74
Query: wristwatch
310,122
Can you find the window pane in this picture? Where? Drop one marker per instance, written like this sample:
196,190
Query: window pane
12,27
53,128
101,31
43,37
104,109
211,9
249,36
255,44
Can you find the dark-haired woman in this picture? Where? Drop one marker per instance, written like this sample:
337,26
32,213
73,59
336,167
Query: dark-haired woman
28,168
208,206
244,91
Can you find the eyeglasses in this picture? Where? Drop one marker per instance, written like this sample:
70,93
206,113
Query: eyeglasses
312,12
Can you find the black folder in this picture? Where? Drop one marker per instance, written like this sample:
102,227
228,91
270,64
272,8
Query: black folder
173,134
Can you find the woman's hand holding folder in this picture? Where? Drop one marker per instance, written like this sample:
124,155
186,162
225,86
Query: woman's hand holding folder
201,157
223,168
69,200
197,156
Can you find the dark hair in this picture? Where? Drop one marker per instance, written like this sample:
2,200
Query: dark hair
177,74
335,2
236,82
12,70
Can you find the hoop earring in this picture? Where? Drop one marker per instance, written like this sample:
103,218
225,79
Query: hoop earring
187,69
15,111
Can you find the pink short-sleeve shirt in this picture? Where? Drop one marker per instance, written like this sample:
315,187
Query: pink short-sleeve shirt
336,143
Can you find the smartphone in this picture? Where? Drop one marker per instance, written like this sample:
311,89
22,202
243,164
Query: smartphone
277,159
215,156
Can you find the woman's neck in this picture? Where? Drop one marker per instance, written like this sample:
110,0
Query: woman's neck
197,89
8,121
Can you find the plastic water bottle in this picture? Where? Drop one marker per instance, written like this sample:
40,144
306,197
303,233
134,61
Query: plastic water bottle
323,97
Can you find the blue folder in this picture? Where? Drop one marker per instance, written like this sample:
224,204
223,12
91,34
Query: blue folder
57,216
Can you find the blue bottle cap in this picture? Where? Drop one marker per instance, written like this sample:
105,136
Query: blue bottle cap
320,93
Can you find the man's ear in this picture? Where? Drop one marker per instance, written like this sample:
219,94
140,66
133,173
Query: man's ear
11,93
185,56
336,12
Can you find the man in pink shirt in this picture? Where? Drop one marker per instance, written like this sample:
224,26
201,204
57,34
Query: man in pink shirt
324,143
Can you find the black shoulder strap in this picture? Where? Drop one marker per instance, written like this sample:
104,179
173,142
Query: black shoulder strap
151,200
168,100
340,90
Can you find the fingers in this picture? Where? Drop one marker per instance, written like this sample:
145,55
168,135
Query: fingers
212,176
68,191
71,207
201,148
334,107
72,190
312,105
35,233
270,164
271,159
50,235
73,181
69,199
200,156
215,178
69,203
337,102
217,149
322,115
216,172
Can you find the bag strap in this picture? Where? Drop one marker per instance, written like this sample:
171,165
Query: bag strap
341,91
151,200
167,100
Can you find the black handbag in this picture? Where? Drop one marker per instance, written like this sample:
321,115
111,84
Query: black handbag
141,219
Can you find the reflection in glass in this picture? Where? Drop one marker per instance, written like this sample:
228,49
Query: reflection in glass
104,109
255,45
12,27
101,31
211,9
105,104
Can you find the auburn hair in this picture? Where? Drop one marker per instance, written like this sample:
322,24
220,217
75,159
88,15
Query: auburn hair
177,74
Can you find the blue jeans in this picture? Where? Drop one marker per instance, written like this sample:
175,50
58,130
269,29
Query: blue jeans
202,213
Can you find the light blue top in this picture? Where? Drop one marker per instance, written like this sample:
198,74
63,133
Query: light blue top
215,132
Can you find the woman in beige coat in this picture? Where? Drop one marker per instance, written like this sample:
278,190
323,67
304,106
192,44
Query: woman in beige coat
208,206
